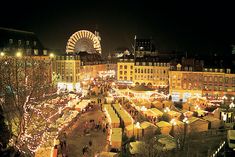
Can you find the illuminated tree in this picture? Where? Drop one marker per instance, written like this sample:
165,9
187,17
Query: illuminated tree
23,82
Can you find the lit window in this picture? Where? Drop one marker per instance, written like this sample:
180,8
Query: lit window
19,42
35,51
10,41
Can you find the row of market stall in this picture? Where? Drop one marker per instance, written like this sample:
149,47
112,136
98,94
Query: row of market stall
117,116
59,121
164,117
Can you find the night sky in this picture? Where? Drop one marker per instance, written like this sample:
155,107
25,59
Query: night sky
193,27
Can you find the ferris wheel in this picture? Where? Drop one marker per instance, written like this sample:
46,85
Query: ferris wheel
83,40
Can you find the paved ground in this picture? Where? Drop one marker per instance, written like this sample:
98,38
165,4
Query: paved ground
76,139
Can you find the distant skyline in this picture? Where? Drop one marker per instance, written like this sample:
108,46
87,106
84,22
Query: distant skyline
192,27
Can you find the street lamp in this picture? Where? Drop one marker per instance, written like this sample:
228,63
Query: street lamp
173,123
18,54
51,55
2,54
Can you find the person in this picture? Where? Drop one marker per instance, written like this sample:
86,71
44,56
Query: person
83,150
90,143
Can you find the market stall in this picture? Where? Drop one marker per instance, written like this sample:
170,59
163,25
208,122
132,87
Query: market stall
197,125
173,114
214,123
164,127
123,114
133,130
107,154
116,138
148,128
45,151
158,104
112,116
167,103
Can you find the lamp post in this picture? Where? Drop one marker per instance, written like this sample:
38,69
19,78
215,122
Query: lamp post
185,120
18,56
51,57
173,123
2,54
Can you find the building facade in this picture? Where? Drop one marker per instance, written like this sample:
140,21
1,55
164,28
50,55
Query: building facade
152,74
210,83
73,72
66,70
12,41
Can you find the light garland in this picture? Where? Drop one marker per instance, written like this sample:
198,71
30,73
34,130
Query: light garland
37,132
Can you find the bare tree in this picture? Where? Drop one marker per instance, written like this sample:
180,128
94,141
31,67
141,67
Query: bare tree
150,147
23,81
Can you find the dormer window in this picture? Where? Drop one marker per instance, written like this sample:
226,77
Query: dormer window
10,41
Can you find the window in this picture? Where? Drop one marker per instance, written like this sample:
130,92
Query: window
221,79
135,70
142,71
44,52
125,66
120,66
10,41
210,79
220,88
125,72
120,72
131,67
34,43
19,42
148,71
35,51
27,43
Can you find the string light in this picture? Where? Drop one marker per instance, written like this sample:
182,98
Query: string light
37,125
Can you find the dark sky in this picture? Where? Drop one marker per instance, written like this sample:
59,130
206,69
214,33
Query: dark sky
193,27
